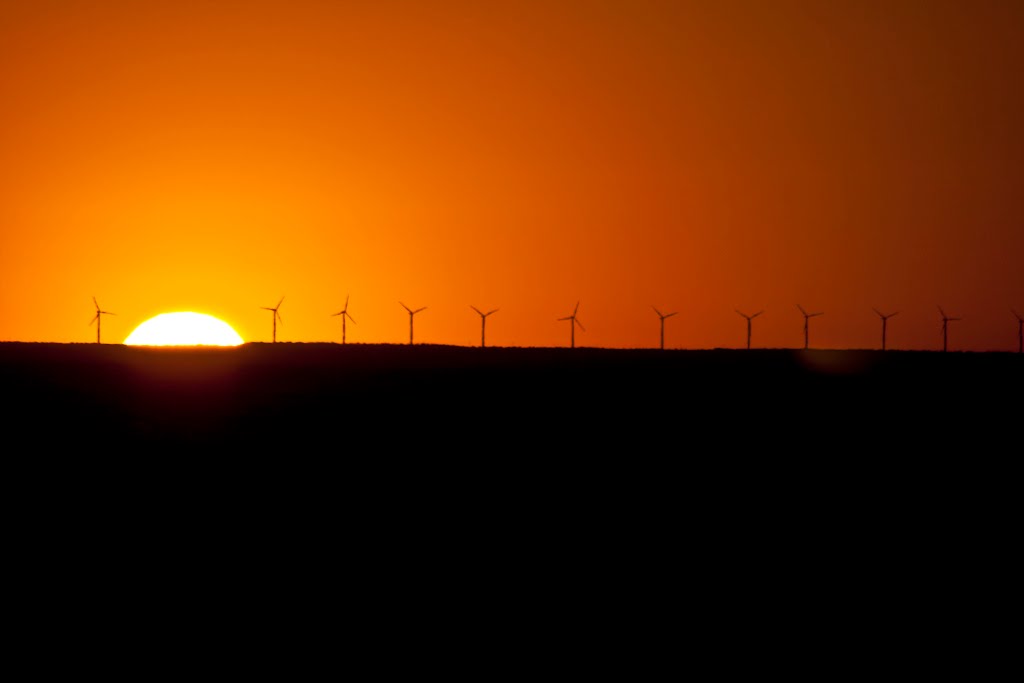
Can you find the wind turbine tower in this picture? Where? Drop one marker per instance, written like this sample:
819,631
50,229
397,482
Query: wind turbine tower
411,314
885,323
807,319
274,316
98,318
945,329
663,316
750,319
573,322
483,324
1020,332
344,314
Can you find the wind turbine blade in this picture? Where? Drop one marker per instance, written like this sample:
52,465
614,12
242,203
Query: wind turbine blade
268,309
879,313
672,314
334,315
942,311
405,307
350,317
346,301
279,303
577,309
475,309
95,303
657,311
815,315
801,309
494,311
756,314
741,314
580,324
95,318
561,319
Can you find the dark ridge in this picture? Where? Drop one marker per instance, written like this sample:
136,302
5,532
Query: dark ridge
734,457
460,399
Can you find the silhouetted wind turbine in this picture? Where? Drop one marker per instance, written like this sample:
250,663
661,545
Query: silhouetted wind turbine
344,314
945,328
807,318
98,319
411,314
275,316
663,316
483,324
885,322
1020,331
749,318
572,325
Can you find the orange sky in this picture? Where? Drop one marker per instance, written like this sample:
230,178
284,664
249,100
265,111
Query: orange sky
696,156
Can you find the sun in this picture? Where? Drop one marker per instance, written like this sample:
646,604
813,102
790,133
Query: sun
184,329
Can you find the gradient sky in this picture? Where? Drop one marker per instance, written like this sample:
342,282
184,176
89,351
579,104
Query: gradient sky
696,156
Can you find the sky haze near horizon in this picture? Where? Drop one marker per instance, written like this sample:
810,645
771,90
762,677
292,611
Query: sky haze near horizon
694,156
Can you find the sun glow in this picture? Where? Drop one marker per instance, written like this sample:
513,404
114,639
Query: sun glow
184,329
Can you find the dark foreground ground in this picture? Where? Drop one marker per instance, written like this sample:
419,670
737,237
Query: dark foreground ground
327,399
451,412
737,492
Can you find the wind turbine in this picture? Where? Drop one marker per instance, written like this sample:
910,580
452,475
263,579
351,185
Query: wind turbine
344,314
98,319
483,324
885,322
945,328
749,318
411,314
1020,331
275,316
663,316
572,325
807,318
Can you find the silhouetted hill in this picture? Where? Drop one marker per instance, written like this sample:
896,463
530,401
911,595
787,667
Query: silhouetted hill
733,456
332,399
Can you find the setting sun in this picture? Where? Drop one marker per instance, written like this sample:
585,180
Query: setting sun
184,329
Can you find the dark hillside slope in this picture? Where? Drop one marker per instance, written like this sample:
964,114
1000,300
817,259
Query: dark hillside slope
326,398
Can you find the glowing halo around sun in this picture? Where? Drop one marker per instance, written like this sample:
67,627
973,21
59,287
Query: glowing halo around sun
184,329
